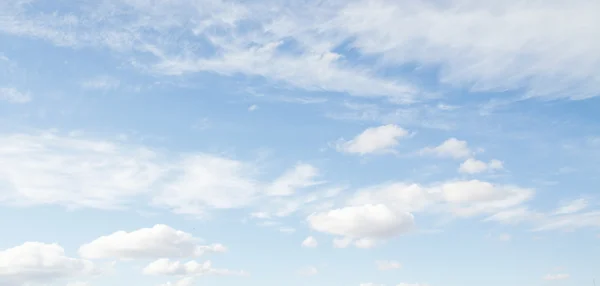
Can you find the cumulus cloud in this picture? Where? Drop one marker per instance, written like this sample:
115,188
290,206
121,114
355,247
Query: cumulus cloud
374,214
380,139
474,166
164,266
452,148
12,95
310,242
36,262
367,221
460,198
157,242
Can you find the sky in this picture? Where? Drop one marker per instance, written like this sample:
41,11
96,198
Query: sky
307,142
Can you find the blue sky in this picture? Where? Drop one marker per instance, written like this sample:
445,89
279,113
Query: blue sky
362,142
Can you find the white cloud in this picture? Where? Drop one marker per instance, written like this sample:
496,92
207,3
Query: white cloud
460,198
76,170
388,265
302,176
48,168
186,281
165,266
469,198
367,221
452,148
514,216
569,222
101,83
310,242
308,271
253,107
35,262
553,277
474,166
399,196
572,207
203,181
380,139
485,47
12,95
157,242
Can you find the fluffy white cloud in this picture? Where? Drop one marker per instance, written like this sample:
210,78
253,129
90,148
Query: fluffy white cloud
399,196
252,107
12,95
310,242
35,262
156,242
474,166
553,277
388,265
469,198
301,176
367,221
452,148
165,266
373,140
461,198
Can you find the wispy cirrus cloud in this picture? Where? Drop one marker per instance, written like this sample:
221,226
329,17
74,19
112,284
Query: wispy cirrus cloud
480,47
